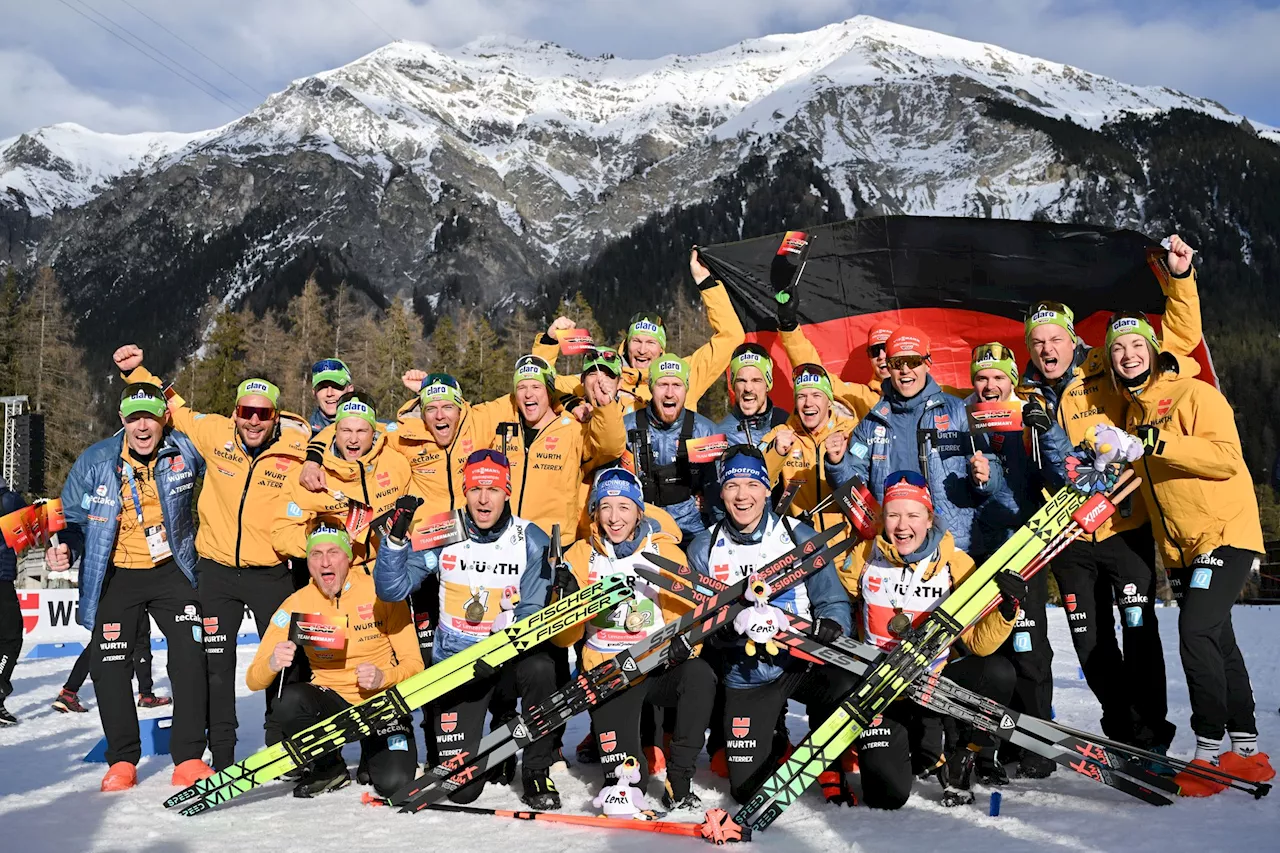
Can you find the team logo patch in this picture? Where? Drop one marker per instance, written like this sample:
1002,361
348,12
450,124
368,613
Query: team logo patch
178,465
211,624
384,479
721,571
448,722
398,743
608,741
942,422
552,441
281,619
1069,601
282,465
741,727
1133,617
873,583
877,721
364,611
110,631
449,562
293,510
1201,578
1163,407
1022,641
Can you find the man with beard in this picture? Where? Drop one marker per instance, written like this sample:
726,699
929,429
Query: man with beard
127,502
658,436
753,414
250,456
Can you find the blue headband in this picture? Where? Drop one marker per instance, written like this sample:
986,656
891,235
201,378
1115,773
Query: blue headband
740,466
616,483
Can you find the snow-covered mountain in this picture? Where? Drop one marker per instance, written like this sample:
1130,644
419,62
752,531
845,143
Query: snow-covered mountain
479,171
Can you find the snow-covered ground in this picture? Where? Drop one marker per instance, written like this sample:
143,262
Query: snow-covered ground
49,798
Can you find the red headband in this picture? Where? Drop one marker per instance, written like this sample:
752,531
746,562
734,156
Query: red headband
902,490
486,474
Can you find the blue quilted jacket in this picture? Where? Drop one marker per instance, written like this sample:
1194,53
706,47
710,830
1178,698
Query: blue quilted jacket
91,502
890,439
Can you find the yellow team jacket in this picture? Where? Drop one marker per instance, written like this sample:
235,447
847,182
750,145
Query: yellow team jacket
706,365
241,495
1091,398
1196,483
807,462
378,632
546,481
983,638
376,479
579,559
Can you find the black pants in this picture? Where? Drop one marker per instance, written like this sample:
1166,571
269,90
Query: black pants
1129,686
425,603
1029,651
1221,694
390,754
127,596
141,655
10,636
909,739
459,720
224,593
751,716
689,689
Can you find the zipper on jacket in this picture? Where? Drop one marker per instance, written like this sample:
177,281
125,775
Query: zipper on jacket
524,477
1146,469
244,495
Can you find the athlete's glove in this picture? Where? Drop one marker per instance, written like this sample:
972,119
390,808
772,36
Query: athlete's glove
827,630
1014,591
1036,416
565,583
1150,438
787,303
402,516
679,651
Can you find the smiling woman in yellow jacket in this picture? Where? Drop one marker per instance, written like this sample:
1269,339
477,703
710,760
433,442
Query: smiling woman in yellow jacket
620,536
359,467
1205,518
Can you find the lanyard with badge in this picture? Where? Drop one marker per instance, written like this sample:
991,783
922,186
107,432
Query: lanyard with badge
157,540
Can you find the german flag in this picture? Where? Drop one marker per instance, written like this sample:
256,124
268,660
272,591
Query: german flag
964,281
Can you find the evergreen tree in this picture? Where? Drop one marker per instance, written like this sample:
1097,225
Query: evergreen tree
223,366
399,337
51,372
8,309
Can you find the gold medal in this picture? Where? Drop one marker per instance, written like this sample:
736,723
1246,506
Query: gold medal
900,623
475,609
634,622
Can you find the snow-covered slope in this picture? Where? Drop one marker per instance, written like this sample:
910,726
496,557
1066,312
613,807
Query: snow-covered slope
508,105
49,798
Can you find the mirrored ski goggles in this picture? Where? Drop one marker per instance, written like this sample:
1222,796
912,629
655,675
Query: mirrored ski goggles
906,362
808,367
603,359
911,478
494,456
645,317
983,353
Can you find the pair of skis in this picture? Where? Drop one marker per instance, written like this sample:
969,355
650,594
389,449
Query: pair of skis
360,721
709,614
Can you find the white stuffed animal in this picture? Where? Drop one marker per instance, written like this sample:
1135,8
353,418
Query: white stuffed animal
623,799
507,609
760,622
1112,446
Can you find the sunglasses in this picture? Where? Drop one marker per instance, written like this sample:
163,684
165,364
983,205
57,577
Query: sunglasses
801,369
993,352
606,356
493,456
875,351
910,362
263,413
912,478
326,364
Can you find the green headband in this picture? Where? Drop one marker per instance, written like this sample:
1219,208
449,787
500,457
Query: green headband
533,367
810,379
441,392
1130,325
753,359
335,535
1004,365
1047,317
253,387
650,328
341,378
669,365
355,408
144,398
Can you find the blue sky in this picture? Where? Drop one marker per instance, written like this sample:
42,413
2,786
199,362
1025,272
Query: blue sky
56,64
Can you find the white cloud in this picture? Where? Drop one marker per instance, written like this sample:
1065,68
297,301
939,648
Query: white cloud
61,67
